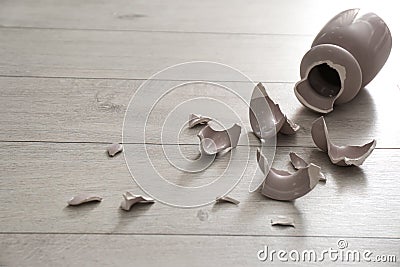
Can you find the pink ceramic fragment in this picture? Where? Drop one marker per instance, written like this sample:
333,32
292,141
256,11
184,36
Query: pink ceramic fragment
261,119
299,163
227,199
283,185
83,198
339,155
213,142
195,119
282,221
114,149
131,199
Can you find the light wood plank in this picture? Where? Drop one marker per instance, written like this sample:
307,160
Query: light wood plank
92,110
110,54
132,40
153,250
37,179
238,16
138,55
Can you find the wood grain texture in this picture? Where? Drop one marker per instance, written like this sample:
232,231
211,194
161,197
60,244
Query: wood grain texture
67,72
92,110
238,16
138,55
154,250
38,179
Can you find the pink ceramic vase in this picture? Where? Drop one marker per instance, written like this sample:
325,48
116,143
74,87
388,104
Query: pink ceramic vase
345,56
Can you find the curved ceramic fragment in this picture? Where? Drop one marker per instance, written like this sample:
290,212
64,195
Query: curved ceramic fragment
227,199
282,185
131,199
289,127
261,121
83,198
195,119
114,149
296,161
339,155
282,221
213,142
299,163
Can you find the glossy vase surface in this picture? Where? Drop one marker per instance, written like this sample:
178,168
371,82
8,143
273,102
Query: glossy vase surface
344,57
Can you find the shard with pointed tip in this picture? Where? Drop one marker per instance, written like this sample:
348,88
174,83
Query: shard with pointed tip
84,198
196,119
299,163
227,199
339,155
266,117
130,199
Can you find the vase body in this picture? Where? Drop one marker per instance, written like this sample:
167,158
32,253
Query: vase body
344,57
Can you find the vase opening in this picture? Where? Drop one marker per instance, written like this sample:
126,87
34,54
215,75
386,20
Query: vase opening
325,80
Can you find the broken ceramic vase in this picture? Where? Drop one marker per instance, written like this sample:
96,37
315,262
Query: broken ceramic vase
345,56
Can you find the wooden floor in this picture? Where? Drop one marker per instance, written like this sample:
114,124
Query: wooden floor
67,72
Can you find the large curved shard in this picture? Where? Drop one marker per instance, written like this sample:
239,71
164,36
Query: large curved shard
339,155
261,122
283,185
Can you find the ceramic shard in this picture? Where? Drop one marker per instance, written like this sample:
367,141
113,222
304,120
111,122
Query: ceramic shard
114,149
196,119
227,199
283,221
283,185
339,155
289,127
299,163
262,118
83,198
131,199
213,142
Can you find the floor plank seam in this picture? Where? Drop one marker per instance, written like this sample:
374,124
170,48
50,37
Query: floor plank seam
131,79
158,144
154,31
200,235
